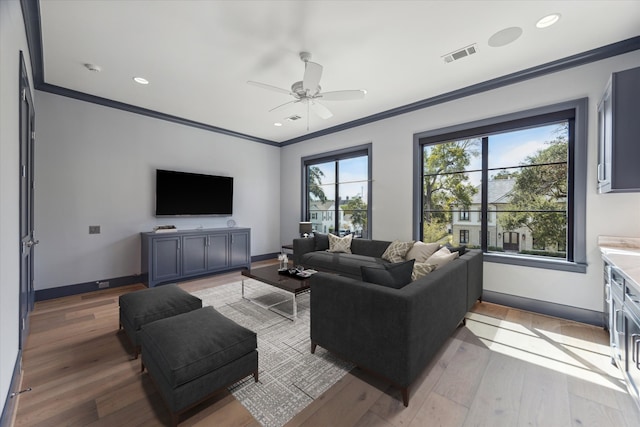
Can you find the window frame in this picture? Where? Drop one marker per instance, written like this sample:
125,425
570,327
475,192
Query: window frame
577,177
337,155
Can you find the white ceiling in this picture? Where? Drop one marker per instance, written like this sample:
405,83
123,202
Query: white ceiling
198,55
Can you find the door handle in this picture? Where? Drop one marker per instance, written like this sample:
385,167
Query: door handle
31,243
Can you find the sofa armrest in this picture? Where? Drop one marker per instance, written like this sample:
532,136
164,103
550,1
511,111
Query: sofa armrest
393,332
302,246
475,268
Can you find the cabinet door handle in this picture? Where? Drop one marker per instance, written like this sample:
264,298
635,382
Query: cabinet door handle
600,172
615,323
635,354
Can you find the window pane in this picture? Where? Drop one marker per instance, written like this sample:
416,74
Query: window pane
523,147
540,233
453,156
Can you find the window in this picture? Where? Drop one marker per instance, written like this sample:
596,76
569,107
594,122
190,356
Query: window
523,174
337,188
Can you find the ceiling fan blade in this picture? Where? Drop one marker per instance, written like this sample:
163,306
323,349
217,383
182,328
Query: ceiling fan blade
283,106
312,74
269,87
322,111
343,95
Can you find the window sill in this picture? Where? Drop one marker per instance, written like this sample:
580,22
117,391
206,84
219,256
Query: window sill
535,262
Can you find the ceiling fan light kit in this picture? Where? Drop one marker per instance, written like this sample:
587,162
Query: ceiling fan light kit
308,91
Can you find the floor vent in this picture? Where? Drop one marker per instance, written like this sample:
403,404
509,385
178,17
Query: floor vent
460,53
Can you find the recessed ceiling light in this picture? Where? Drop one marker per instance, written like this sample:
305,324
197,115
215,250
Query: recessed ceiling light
504,37
141,80
277,124
548,20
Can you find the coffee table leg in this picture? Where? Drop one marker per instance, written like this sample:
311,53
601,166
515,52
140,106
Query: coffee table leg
295,307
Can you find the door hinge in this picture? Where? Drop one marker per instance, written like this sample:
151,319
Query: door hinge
23,171
24,94
33,135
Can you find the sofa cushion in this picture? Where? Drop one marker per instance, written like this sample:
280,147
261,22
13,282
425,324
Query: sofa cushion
397,251
421,251
321,242
442,257
345,264
392,275
421,269
340,244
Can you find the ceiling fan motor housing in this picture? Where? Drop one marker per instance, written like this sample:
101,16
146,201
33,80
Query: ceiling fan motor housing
298,89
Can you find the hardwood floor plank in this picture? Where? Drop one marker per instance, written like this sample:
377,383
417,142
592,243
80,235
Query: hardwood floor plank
545,398
347,406
498,397
370,419
586,413
438,411
460,381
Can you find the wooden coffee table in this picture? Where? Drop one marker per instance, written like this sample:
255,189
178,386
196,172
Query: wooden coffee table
269,275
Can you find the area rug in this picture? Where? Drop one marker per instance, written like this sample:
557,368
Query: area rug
290,376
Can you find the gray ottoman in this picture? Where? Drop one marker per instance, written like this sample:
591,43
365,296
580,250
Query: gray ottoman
193,355
148,305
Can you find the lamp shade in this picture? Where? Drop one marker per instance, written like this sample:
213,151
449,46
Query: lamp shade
305,228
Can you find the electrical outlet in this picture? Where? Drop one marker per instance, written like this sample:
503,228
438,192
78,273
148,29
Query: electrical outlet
102,285
94,229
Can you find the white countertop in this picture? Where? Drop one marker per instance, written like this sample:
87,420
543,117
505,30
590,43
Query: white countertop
624,253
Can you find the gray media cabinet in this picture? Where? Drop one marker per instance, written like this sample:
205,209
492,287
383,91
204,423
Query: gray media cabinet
175,256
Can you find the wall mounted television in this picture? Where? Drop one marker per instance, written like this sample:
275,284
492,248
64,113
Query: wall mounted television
185,194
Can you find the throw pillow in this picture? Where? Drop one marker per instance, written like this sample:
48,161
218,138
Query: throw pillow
340,244
321,241
421,269
396,251
460,249
442,257
421,251
392,275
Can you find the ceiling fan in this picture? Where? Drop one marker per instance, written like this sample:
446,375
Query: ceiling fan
308,91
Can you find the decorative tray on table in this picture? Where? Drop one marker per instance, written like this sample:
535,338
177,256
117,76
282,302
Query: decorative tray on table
300,274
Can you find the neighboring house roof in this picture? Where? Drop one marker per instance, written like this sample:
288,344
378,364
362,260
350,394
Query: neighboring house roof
317,205
499,191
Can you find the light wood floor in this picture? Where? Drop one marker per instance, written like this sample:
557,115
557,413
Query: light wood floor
506,367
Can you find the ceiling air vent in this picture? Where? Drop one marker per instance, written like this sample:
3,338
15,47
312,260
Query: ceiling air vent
460,53
293,118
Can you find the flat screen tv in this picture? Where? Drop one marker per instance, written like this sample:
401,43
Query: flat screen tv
184,193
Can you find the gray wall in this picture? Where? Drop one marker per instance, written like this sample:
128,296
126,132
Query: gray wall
392,139
12,41
96,166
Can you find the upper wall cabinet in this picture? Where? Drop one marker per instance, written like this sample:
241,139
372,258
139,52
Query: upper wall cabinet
619,134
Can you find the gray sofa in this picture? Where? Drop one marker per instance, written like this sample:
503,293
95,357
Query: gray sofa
393,333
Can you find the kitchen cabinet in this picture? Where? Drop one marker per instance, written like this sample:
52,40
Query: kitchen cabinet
624,324
187,254
619,134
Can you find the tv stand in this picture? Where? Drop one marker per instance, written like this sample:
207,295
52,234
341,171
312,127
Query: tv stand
182,255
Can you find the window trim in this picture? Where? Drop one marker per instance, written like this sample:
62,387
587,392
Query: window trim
341,154
577,178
